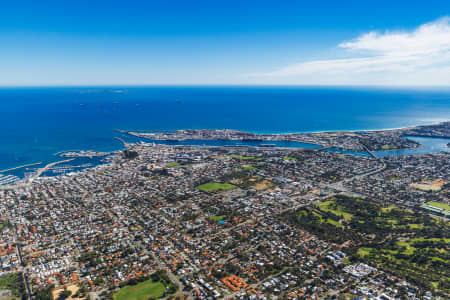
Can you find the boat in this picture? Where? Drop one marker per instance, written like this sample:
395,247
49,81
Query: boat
267,145
8,179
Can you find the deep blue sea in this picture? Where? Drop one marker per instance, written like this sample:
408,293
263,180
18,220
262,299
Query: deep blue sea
38,122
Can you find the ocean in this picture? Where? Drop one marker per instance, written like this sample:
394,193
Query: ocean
38,122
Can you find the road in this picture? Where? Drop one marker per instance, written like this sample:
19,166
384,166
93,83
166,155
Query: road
339,186
23,267
171,276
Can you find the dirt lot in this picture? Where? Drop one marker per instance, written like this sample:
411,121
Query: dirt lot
72,287
262,185
434,186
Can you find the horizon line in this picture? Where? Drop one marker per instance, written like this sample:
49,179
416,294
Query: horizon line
119,85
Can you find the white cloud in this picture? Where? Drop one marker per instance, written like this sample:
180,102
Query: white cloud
419,57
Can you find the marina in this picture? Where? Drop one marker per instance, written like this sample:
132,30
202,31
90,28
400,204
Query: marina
31,136
225,150
426,145
20,167
8,179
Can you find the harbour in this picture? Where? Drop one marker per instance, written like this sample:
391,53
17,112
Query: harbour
32,137
8,179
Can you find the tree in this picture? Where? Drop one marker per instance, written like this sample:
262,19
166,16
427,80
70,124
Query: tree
98,281
172,289
65,294
44,294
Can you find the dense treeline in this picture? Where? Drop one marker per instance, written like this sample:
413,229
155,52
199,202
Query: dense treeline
14,283
408,243
312,223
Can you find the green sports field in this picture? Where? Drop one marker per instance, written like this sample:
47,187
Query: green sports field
215,186
141,291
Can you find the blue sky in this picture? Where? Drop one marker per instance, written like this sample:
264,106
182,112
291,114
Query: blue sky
224,42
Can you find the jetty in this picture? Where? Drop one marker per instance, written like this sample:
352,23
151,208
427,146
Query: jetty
42,170
63,151
20,167
125,144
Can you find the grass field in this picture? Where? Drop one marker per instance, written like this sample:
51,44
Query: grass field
141,291
439,205
174,164
13,283
405,247
333,222
289,158
408,248
243,157
417,257
388,147
388,209
323,219
246,157
216,218
327,206
246,167
215,186
415,226
363,251
403,242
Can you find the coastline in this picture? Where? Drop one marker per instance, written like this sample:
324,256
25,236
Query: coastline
126,144
292,132
349,130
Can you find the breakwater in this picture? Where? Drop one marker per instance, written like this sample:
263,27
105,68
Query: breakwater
20,167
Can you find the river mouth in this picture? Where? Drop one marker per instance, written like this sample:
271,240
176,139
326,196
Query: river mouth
427,145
